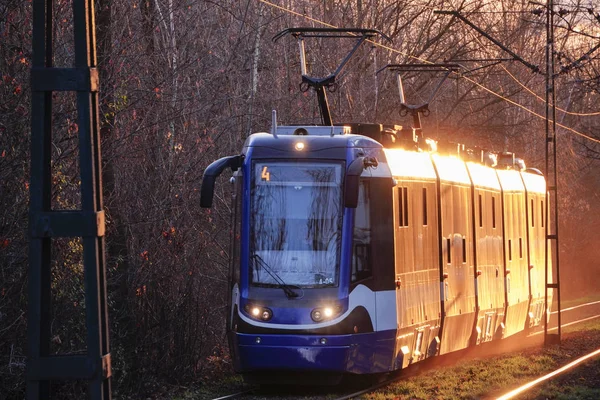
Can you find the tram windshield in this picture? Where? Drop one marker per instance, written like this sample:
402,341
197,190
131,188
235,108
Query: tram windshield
296,220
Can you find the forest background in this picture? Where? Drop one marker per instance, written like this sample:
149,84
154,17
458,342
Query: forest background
185,82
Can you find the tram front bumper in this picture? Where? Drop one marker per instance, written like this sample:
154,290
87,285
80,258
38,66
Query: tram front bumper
257,352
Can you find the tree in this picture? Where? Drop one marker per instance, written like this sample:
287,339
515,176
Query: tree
183,83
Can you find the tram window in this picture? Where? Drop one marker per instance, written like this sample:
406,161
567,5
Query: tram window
520,248
361,247
402,206
542,213
509,250
464,249
480,211
405,206
424,206
493,212
237,226
448,247
532,214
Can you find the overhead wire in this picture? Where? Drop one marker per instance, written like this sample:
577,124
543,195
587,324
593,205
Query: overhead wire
297,13
527,109
514,78
490,91
531,111
543,100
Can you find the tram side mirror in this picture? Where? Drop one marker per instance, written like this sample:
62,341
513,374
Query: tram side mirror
211,173
351,185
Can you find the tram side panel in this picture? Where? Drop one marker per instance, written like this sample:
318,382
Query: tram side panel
515,251
234,266
371,272
416,251
458,289
417,274
489,256
536,187
382,252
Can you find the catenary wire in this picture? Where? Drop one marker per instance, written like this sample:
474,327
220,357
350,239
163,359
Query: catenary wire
514,78
429,62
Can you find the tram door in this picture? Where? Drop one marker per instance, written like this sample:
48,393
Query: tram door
456,261
417,272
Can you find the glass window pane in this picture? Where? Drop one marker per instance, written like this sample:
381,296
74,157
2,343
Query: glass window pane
296,217
493,212
480,211
405,206
400,207
361,249
424,206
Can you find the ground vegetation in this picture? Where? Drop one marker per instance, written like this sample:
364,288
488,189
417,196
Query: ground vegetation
186,82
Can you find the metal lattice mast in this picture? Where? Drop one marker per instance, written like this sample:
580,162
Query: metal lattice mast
551,212
46,224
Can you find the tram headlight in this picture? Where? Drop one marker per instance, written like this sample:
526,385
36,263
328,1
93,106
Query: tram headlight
316,315
259,313
266,314
324,313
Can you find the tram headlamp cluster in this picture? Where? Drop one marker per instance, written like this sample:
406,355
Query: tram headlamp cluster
324,313
259,313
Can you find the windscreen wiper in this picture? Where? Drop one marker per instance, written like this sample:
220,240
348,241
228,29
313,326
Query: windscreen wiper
286,288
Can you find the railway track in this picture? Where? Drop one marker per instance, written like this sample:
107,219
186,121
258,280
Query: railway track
425,365
515,392
592,303
571,319
521,389
236,395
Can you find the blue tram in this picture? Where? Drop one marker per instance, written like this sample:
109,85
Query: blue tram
360,249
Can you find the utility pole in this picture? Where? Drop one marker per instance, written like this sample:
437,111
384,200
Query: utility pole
46,224
552,245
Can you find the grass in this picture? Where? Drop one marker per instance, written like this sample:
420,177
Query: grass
470,379
591,325
227,385
557,391
493,376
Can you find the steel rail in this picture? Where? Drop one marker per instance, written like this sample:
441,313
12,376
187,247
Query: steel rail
569,324
389,381
394,379
234,395
367,390
552,374
577,306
